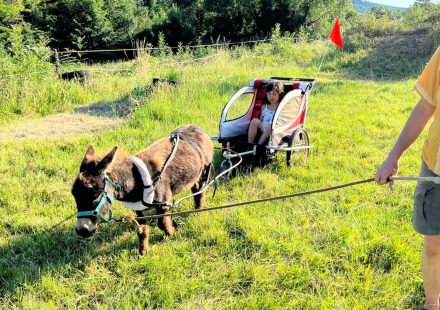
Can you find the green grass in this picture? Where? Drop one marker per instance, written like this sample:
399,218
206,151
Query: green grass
353,248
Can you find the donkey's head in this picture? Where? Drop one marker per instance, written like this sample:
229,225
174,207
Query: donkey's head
93,191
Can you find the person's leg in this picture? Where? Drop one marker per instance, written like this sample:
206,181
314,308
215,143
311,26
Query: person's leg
265,134
431,271
253,129
426,221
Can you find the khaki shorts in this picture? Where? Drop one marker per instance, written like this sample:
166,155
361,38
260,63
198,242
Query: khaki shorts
426,215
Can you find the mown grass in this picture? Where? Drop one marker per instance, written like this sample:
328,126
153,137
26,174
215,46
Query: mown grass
353,248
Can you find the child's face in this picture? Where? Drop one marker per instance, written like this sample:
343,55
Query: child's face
273,96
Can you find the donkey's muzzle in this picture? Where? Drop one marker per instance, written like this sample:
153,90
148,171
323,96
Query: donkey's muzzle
85,227
84,232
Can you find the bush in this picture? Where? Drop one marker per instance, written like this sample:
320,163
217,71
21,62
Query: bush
363,29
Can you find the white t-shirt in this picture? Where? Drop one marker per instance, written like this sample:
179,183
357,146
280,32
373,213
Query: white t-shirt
267,117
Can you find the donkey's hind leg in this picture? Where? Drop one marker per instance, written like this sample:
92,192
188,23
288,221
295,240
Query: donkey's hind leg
199,199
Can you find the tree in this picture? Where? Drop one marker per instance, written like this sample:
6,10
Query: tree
10,15
90,23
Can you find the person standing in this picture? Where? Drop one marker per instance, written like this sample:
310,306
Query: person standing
426,215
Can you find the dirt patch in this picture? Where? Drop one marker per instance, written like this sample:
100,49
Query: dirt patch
84,120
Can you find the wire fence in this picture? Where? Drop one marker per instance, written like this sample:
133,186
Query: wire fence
217,45
63,58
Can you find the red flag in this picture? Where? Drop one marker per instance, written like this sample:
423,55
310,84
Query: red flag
335,35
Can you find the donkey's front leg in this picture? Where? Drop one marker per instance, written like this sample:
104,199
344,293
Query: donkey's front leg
143,233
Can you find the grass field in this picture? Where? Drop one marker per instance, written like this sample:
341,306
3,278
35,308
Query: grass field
353,248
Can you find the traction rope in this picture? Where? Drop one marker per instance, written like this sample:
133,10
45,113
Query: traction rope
132,219
239,204
435,180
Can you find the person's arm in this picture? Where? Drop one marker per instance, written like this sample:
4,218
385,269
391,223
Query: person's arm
415,124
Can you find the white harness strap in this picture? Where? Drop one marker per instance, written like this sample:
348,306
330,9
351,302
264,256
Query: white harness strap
148,195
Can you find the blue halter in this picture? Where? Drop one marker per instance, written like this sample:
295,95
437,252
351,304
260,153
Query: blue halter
104,198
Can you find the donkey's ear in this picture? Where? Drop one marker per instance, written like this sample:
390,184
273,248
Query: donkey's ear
88,157
106,160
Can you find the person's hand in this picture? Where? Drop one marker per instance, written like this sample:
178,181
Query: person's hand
388,168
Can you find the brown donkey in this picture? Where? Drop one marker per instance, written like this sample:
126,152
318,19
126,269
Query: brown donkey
148,180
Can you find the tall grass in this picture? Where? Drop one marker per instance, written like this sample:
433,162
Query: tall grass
348,249
41,92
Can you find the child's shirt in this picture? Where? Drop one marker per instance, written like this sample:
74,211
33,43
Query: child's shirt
428,86
267,117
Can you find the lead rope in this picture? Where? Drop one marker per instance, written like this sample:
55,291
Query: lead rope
436,180
134,220
239,204
131,219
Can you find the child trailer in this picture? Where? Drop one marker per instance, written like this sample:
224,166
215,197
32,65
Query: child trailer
288,133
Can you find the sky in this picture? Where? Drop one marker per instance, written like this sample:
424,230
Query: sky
398,3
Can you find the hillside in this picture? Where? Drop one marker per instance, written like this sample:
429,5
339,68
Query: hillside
365,6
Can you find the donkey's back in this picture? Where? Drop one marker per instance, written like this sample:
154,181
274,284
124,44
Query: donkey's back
193,156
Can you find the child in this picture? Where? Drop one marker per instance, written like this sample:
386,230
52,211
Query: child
274,92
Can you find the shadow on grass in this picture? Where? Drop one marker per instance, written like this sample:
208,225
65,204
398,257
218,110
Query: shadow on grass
29,256
122,107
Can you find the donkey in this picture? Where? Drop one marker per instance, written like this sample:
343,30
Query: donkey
143,182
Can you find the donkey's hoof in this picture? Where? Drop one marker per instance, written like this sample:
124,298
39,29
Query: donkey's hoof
170,231
143,250
143,239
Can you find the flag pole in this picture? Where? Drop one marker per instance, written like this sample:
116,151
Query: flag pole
322,60
336,38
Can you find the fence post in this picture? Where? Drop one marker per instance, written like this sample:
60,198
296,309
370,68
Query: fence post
57,62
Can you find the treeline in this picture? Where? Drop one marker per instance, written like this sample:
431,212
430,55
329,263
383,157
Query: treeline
94,24
423,19
91,24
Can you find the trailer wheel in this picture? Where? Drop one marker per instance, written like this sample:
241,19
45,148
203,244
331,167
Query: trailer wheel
298,138
225,165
